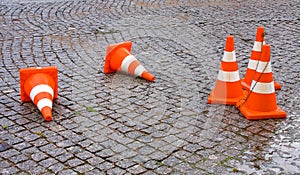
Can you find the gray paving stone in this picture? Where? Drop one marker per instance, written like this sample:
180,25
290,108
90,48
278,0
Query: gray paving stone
74,162
136,169
9,170
116,171
9,153
65,172
105,166
27,165
64,157
84,168
56,168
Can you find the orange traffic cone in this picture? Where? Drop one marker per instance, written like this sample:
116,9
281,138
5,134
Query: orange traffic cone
253,61
228,88
40,86
119,58
260,102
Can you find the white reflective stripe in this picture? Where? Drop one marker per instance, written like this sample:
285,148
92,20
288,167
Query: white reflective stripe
44,102
264,67
40,88
252,64
257,46
126,62
139,70
229,56
228,76
262,88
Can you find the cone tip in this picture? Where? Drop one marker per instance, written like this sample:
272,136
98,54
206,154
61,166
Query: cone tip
48,118
260,34
265,56
47,113
148,76
229,46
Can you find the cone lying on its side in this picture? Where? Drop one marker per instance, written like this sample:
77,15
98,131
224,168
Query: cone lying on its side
228,89
40,85
261,100
253,61
119,58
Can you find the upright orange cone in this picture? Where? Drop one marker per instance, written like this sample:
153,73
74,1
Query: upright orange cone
253,61
260,103
228,88
119,58
40,85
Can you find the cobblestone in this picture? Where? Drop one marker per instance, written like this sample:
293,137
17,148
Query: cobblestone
117,124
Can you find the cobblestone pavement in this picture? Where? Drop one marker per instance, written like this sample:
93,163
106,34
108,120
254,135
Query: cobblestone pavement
117,124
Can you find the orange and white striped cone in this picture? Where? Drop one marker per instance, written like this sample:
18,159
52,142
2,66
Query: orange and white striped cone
228,88
253,61
260,102
119,58
254,58
40,85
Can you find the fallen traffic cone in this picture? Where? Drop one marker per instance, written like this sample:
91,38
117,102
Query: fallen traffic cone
260,102
228,89
119,58
40,85
253,61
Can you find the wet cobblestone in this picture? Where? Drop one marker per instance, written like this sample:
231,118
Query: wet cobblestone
116,124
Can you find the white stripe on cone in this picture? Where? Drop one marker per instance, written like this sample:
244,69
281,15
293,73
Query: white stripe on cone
264,67
257,46
262,88
126,62
40,88
43,103
226,76
139,70
252,64
229,56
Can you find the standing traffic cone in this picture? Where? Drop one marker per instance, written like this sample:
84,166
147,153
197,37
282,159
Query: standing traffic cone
119,58
40,85
254,58
260,102
228,88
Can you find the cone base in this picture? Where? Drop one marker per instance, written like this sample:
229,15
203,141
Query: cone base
257,115
212,99
25,73
110,51
247,86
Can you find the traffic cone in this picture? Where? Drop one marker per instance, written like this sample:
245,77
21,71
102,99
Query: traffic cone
119,58
228,89
260,102
40,85
253,61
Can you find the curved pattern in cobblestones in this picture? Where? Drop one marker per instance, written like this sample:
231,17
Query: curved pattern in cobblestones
116,124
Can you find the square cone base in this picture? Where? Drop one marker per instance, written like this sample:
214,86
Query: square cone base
25,73
109,52
257,115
